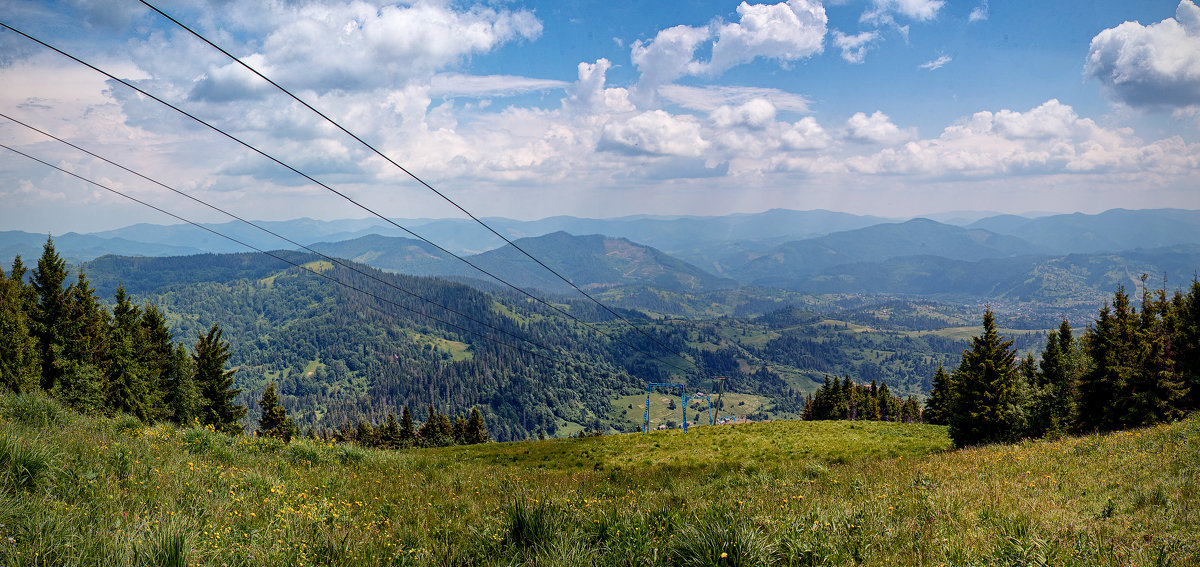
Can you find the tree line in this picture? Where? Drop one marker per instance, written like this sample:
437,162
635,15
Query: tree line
844,399
439,430
58,337
1130,368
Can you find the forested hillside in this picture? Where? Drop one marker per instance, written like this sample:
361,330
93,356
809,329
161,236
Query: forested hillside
337,354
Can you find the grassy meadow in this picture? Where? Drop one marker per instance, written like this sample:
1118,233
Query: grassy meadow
78,490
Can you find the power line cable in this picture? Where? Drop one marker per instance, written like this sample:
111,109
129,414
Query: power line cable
405,170
338,261
347,198
285,260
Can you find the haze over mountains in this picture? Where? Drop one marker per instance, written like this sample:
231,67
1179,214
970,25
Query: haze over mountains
1006,256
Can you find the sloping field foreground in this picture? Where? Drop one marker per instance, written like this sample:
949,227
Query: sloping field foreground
99,491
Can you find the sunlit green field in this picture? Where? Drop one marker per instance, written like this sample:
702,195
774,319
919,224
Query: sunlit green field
103,491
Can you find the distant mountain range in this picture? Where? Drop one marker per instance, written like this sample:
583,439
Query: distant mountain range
1053,256
589,262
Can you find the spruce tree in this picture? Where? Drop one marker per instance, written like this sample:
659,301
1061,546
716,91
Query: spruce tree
88,325
888,408
1054,391
126,377
459,431
50,315
183,398
1155,389
19,357
274,421
157,352
216,383
366,435
985,408
476,429
1098,387
389,434
940,402
408,433
1186,308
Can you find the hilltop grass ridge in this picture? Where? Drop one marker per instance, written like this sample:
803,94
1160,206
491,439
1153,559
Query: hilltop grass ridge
82,490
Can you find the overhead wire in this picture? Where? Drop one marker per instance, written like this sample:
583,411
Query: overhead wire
285,260
351,200
338,261
416,178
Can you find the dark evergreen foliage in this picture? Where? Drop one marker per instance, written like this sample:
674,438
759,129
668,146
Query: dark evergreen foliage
940,401
987,406
843,399
274,421
216,383
50,314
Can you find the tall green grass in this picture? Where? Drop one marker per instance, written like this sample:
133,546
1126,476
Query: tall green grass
101,491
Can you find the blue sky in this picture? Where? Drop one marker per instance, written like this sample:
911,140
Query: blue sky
608,108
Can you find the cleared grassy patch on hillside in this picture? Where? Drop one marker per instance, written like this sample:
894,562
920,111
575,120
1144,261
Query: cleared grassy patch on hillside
736,405
110,491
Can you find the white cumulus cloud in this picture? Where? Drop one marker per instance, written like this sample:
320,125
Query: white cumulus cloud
757,113
655,132
787,31
1047,140
874,129
805,134
1155,66
354,46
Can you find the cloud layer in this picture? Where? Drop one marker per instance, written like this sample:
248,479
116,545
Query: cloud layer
670,129
1155,66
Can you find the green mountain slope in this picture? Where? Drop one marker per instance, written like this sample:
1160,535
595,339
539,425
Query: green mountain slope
878,243
590,262
1113,230
1066,282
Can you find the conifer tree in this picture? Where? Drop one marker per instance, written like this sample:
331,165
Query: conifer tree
460,430
87,326
1107,345
126,377
437,430
476,429
19,359
389,434
50,315
183,398
1054,390
274,421
1187,340
986,404
216,383
1155,388
888,409
910,410
408,434
157,352
940,402
365,435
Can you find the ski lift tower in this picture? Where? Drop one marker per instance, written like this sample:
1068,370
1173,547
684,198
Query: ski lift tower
682,402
